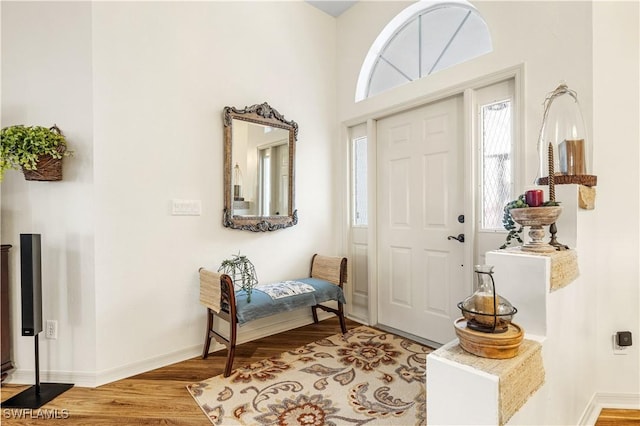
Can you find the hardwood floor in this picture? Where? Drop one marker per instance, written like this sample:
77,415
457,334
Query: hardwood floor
610,417
159,396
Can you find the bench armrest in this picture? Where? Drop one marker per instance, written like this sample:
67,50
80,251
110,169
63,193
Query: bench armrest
329,268
216,291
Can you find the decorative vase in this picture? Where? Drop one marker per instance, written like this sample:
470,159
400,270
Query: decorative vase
535,218
485,310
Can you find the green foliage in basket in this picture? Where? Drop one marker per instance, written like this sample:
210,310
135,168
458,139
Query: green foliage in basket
20,146
242,272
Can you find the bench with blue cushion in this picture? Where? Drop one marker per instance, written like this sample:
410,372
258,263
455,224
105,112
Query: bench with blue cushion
327,276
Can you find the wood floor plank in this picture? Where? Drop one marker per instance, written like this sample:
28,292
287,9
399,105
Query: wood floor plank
610,417
159,397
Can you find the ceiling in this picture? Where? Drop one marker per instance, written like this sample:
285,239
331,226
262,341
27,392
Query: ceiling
332,7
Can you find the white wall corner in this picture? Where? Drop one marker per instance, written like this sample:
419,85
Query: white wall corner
523,279
567,224
460,394
607,400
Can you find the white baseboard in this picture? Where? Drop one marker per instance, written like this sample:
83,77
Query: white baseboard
27,377
357,318
94,379
251,331
608,400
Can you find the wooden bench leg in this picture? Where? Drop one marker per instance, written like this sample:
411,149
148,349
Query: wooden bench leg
231,348
207,336
338,312
343,325
231,351
230,343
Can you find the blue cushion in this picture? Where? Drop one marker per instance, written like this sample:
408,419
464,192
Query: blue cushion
262,305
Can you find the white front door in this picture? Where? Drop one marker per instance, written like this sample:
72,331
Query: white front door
420,179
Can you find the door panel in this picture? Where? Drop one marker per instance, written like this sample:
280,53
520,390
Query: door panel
436,265
400,266
420,271
399,179
435,190
360,269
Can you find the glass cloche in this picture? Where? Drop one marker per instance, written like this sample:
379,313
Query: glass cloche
485,310
563,146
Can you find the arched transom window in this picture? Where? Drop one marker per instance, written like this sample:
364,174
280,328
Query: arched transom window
426,37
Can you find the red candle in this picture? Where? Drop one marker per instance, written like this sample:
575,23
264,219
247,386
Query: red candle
533,197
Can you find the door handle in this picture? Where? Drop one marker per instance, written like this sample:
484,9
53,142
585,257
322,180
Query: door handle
460,238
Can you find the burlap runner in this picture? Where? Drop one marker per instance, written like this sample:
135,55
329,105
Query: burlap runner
519,377
564,266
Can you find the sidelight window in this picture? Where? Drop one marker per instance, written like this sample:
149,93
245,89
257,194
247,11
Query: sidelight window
496,159
360,205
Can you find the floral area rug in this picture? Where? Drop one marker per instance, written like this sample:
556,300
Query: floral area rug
364,377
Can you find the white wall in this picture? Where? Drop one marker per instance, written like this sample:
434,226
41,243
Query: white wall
140,90
46,79
616,108
570,41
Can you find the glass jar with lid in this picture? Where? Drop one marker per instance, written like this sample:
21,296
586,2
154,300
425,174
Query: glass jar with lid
485,310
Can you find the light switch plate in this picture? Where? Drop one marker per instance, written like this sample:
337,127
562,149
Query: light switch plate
186,207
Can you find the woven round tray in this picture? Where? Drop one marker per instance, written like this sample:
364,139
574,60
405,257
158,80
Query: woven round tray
489,345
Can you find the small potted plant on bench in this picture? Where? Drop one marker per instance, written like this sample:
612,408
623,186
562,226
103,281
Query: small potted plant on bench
242,272
37,150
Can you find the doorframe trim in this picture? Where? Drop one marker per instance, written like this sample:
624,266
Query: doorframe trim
518,73
372,212
515,71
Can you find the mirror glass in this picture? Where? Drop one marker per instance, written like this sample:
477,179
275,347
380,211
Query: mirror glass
260,178
259,169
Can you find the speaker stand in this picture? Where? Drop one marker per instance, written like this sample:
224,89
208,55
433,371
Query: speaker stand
39,394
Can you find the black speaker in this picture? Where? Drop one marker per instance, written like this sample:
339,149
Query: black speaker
31,284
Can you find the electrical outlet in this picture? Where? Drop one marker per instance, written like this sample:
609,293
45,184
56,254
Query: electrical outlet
617,349
51,329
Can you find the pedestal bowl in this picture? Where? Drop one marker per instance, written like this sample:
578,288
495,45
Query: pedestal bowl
535,218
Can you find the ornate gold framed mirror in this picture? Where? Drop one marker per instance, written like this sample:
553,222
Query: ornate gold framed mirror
259,169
